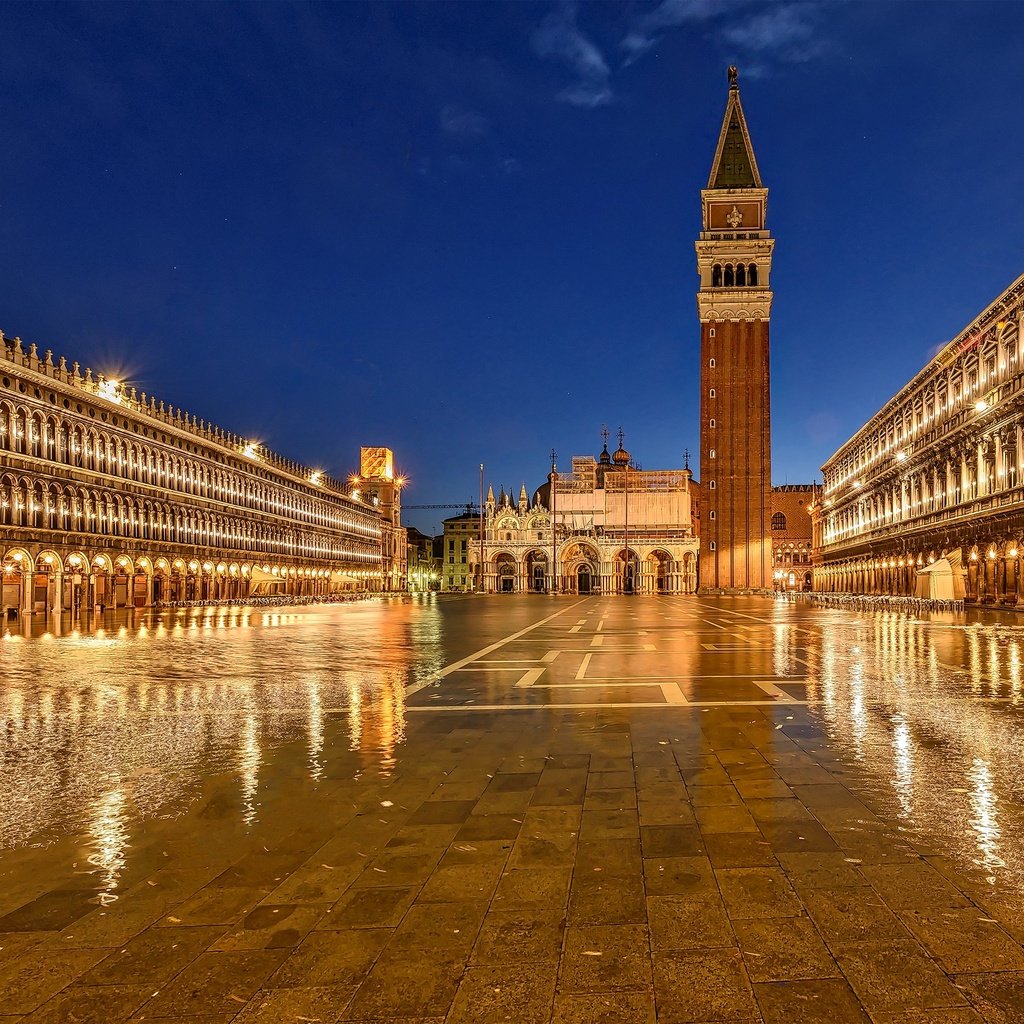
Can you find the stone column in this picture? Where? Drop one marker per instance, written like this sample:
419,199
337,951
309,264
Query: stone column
27,583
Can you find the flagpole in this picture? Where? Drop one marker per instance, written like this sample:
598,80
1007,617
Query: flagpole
480,589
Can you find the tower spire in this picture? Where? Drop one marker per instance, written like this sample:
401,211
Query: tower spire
734,301
734,165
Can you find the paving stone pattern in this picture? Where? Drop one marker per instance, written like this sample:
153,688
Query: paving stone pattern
604,853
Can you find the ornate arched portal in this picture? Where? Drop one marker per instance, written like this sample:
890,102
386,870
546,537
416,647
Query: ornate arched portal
581,568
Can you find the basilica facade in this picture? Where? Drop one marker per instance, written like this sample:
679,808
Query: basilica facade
604,528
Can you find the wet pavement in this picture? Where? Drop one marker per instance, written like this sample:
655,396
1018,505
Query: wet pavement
520,809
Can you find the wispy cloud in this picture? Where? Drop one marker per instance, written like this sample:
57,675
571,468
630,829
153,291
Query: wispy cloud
463,124
559,37
787,32
758,35
648,28
784,32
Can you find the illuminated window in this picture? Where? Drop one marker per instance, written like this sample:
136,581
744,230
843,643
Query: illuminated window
711,363
711,393
712,545
778,521
711,424
712,485
712,513
712,453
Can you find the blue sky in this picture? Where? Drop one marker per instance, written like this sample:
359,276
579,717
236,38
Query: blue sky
466,230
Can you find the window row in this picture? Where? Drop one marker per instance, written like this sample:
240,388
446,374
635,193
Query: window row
741,275
48,506
82,446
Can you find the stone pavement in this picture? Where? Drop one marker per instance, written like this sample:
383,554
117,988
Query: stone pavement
618,811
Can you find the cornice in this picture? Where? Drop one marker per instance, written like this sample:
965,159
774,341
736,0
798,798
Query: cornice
964,340
746,304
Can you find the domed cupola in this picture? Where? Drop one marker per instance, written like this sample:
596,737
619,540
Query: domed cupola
621,456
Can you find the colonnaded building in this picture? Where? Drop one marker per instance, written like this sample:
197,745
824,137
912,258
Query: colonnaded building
606,528
936,476
111,499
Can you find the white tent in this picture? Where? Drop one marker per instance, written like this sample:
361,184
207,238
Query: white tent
265,584
341,581
943,580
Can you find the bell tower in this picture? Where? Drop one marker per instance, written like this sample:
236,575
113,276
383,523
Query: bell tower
734,258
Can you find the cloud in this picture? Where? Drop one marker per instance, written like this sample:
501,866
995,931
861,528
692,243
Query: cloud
463,124
559,37
645,32
786,32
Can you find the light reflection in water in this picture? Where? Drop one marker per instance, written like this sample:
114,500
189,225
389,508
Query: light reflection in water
108,830
984,818
904,777
929,711
315,729
249,758
104,727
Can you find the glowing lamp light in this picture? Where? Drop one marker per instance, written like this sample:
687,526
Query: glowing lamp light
981,405
111,391
974,556
1013,552
250,451
315,478
901,456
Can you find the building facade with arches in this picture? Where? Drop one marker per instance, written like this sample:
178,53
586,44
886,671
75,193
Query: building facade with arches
792,536
111,499
606,528
938,468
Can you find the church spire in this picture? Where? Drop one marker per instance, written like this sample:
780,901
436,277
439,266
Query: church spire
734,165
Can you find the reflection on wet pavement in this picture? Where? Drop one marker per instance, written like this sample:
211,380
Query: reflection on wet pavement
457,806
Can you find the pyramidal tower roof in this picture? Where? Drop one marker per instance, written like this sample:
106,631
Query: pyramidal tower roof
734,165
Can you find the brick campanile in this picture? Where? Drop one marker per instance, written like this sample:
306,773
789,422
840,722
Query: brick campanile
734,257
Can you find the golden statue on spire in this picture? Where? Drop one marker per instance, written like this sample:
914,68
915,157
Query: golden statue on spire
734,77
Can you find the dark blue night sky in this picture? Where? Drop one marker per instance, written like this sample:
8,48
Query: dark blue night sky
465,231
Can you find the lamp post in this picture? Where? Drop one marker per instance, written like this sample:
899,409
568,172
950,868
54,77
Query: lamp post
553,478
480,584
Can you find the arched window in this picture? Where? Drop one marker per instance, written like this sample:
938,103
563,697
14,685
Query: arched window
716,276
778,521
730,277
741,274
712,485
711,363
752,274
711,424
711,454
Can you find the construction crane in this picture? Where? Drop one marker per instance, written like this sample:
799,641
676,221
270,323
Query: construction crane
468,506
